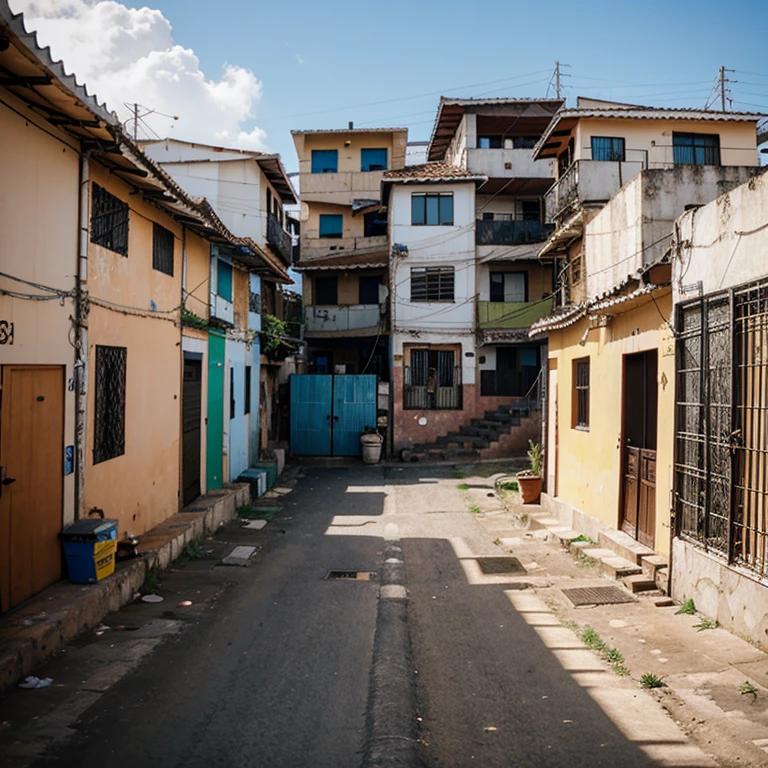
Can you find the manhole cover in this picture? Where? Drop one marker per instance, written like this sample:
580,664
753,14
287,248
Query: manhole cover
498,565
597,595
350,575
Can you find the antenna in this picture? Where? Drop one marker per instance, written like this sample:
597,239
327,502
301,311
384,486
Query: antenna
556,80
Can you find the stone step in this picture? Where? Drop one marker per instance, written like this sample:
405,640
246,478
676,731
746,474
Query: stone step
662,579
619,567
490,433
624,545
497,416
638,583
565,536
489,424
461,441
652,563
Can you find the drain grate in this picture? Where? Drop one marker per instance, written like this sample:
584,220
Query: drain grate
494,566
350,575
597,595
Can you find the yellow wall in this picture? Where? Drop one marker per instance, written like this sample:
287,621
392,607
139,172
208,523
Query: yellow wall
737,139
241,292
198,289
589,462
349,145
354,226
141,487
38,242
348,289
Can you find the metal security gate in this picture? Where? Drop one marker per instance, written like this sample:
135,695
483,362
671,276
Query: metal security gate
721,463
329,413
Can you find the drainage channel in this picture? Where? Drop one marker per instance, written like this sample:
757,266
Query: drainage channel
350,575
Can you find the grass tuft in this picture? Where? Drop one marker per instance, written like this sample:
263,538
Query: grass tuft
649,680
747,689
706,624
688,608
463,486
474,509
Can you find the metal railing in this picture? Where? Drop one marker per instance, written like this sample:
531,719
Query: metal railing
420,394
278,238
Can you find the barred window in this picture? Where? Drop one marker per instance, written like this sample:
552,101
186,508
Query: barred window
109,419
254,303
581,392
432,283
109,221
162,249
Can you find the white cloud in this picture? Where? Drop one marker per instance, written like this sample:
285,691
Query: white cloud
299,58
129,55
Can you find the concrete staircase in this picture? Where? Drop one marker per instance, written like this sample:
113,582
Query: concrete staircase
623,558
483,438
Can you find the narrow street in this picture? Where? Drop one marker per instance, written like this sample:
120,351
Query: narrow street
271,664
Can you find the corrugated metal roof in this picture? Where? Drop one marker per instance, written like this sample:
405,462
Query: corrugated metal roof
349,130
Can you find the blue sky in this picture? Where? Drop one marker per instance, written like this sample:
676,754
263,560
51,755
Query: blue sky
324,64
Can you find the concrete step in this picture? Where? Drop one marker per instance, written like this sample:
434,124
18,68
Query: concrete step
489,433
619,567
652,563
565,537
489,424
499,416
624,545
662,580
461,441
638,583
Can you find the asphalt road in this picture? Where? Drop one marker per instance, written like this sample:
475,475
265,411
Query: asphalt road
272,666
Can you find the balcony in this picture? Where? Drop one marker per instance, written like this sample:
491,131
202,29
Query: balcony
314,246
588,181
278,239
338,320
511,232
509,164
512,314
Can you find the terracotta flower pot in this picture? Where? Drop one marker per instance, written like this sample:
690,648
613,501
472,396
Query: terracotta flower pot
530,487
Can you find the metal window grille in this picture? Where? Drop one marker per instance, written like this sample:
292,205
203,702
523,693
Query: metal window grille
109,221
581,385
162,249
721,432
254,303
432,382
109,418
432,283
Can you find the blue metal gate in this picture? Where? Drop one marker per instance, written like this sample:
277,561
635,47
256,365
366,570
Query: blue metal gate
329,413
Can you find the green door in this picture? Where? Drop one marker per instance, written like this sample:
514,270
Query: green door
215,431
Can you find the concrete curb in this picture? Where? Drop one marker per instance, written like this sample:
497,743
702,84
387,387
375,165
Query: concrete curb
59,613
391,716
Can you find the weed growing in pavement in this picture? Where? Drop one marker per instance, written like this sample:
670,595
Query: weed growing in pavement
688,608
523,519
460,474
585,561
747,689
474,509
190,552
649,680
151,583
497,542
706,624
244,510
508,485
463,486
591,638
582,537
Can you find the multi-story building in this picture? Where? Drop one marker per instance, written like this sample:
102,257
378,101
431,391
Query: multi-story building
624,175
344,246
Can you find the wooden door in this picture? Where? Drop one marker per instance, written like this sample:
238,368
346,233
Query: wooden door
31,497
191,405
638,460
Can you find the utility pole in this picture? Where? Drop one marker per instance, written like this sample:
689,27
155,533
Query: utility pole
135,122
557,79
722,81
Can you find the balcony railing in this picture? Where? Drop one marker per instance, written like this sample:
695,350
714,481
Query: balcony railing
511,232
278,238
333,319
512,314
589,181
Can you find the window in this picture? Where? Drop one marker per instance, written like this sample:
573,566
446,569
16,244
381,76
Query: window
254,303
331,225
432,209
247,406
109,417
524,142
369,289
375,224
432,283
608,148
109,221
581,393
509,286
696,148
373,159
325,160
489,142
326,291
231,393
432,381
529,210
224,279
162,249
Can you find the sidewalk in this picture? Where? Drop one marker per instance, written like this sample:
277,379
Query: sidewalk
714,685
50,620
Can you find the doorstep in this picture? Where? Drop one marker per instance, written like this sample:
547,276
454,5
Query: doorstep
51,619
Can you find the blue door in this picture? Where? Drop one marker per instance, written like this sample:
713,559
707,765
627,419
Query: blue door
311,415
329,413
354,409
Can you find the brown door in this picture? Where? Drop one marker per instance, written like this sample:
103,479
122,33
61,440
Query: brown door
32,460
191,404
638,498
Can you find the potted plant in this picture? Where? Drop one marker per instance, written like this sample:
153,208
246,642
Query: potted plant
530,480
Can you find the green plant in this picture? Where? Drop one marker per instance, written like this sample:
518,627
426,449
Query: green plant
273,329
688,608
190,552
460,474
747,689
497,542
191,320
649,680
582,537
244,510
591,638
463,486
586,561
508,485
474,509
151,582
706,624
535,456
614,656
